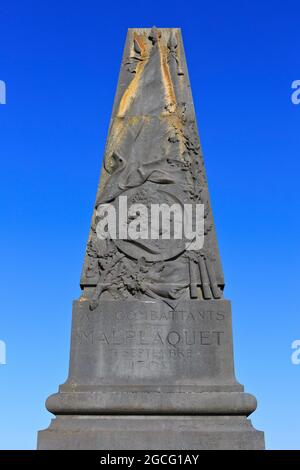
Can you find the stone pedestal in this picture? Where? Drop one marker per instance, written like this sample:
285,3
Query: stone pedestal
145,376
151,433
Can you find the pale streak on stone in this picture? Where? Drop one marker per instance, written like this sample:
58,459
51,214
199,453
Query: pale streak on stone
119,125
170,96
131,90
182,77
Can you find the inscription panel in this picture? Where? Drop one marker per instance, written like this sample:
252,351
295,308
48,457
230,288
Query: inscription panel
149,340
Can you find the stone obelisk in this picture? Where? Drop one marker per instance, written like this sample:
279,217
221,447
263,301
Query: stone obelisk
151,363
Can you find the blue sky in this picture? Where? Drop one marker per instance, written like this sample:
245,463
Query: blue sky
60,61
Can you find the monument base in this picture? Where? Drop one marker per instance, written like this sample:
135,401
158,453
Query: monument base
145,376
151,433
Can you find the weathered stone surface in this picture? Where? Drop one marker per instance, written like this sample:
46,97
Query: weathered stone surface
151,364
152,433
153,156
145,358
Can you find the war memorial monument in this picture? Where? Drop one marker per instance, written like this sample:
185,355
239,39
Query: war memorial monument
151,362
